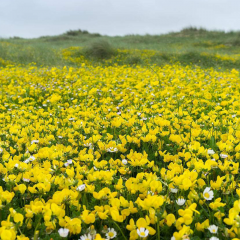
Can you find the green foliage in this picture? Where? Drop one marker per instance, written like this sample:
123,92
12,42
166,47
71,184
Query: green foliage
133,60
193,31
192,45
100,49
21,53
75,32
15,37
235,42
80,32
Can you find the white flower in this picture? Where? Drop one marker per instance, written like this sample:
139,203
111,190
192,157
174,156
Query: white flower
213,228
174,190
60,137
213,238
31,158
63,232
173,238
208,194
26,180
34,141
124,161
86,237
16,165
223,155
112,149
180,201
210,151
80,188
111,233
234,115
71,119
142,232
150,193
68,162
87,144
1,150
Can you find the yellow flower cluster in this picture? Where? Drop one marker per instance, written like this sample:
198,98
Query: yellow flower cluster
223,57
119,152
4,62
74,55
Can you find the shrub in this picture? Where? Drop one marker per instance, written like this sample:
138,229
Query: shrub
192,30
74,32
133,60
100,49
236,42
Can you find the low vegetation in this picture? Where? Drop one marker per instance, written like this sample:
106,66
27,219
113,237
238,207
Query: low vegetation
190,46
100,141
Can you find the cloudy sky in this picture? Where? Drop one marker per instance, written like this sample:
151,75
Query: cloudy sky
34,18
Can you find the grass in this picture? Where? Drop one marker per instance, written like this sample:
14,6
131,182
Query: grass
189,46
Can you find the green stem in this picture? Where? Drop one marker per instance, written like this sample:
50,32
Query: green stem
36,231
120,230
158,229
20,231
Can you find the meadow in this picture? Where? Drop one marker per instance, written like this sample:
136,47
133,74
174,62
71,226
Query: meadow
191,46
134,137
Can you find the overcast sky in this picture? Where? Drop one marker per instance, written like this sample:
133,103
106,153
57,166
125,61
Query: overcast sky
34,18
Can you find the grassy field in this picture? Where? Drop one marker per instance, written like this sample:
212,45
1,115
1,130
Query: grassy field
190,46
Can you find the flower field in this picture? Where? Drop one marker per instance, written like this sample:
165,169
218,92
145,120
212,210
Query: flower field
119,152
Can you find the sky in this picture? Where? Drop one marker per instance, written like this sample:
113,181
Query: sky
34,18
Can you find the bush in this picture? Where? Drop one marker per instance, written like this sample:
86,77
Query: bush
16,37
74,32
192,30
100,49
133,60
235,42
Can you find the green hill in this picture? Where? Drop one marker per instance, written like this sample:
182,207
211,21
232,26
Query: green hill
195,46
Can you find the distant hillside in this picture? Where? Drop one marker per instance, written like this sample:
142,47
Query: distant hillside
191,45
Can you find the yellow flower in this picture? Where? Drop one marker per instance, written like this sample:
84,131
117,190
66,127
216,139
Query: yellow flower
170,219
22,188
88,217
18,217
8,234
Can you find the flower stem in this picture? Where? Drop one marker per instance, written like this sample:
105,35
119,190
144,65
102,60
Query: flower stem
36,232
158,230
120,230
